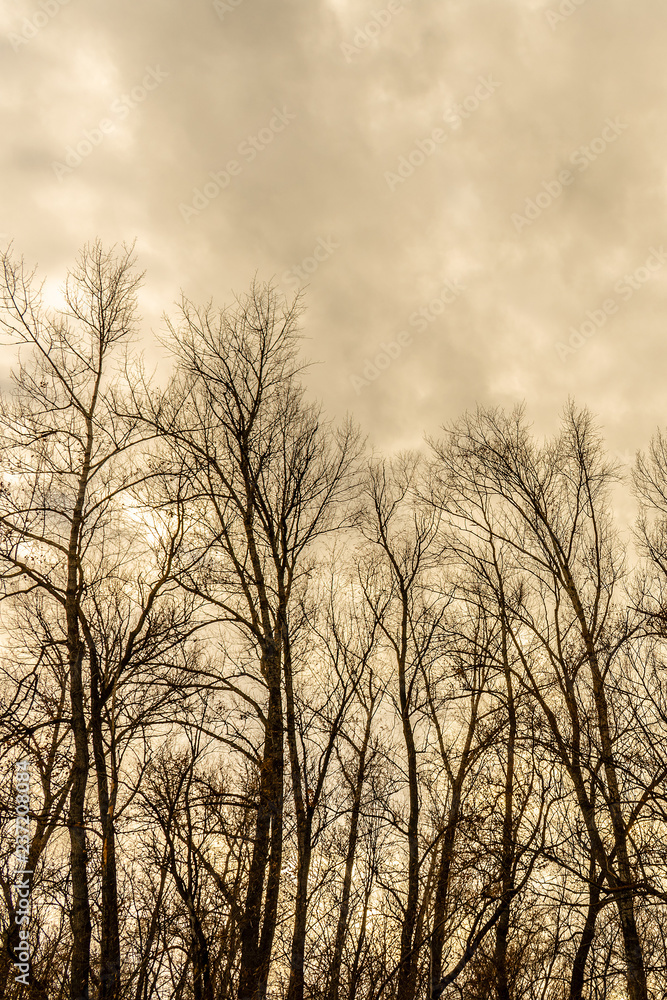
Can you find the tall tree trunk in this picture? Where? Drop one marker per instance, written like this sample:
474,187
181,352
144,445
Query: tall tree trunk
80,913
151,934
636,976
344,912
109,931
408,968
587,935
507,847
355,975
447,855
305,804
303,836
256,935
295,989
634,957
202,982
442,888
636,972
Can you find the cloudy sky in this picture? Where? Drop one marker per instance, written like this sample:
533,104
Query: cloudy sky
474,192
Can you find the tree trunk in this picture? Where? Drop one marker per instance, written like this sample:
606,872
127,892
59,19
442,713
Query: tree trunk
636,972
344,912
256,935
80,914
408,968
587,935
296,982
355,976
109,931
442,889
634,957
507,848
303,836
202,983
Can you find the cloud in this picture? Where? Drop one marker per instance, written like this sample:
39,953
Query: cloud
324,177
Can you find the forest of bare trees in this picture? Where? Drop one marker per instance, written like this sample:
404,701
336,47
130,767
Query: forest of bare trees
302,722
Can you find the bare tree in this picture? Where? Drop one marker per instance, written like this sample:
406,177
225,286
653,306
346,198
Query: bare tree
404,533
270,479
61,442
303,730
103,580
549,507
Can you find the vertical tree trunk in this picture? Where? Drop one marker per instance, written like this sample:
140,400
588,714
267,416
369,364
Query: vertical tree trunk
634,957
442,889
295,989
256,935
80,914
275,801
109,930
202,983
355,976
303,835
142,979
447,857
636,972
507,847
344,912
408,968
586,940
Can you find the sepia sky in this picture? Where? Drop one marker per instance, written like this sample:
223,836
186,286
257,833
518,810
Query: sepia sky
463,182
